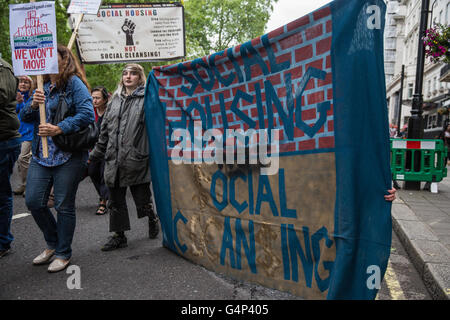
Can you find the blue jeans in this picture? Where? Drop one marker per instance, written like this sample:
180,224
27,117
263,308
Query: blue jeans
9,151
65,178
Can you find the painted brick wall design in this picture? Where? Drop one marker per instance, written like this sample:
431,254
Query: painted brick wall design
191,91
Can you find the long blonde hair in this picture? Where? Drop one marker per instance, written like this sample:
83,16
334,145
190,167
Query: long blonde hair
132,67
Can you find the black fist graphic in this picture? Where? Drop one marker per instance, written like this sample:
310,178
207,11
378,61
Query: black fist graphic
128,28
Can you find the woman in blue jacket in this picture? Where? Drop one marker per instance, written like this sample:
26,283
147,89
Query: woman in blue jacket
25,89
60,169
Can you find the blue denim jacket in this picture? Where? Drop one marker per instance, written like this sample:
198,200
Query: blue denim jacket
26,129
78,98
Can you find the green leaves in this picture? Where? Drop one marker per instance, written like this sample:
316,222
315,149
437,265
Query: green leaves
214,25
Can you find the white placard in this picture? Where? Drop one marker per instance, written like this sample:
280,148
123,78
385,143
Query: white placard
132,32
33,38
84,6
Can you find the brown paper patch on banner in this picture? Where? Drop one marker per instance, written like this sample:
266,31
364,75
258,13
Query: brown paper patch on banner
263,243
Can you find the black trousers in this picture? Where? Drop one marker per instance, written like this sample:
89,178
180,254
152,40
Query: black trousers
119,219
95,171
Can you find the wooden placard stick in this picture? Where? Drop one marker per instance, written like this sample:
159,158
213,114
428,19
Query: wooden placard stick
75,31
42,117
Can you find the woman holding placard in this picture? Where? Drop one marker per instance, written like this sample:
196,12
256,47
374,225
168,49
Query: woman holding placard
61,169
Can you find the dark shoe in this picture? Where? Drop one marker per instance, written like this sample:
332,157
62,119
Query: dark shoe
101,210
153,227
115,242
4,252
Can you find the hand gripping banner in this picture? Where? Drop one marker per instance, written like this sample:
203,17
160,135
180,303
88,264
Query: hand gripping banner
270,160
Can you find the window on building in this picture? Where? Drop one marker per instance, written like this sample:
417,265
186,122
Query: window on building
448,13
410,90
439,120
432,121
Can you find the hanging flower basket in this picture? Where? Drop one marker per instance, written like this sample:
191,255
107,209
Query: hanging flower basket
443,110
437,43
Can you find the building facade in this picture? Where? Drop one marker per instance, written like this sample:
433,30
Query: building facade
401,46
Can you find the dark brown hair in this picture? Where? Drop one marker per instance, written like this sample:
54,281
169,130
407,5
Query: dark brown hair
69,66
103,92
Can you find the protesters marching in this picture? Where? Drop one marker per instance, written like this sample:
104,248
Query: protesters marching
59,131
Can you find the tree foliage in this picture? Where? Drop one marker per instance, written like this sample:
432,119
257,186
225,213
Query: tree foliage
211,26
214,25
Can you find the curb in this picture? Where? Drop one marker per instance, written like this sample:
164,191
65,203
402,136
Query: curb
428,255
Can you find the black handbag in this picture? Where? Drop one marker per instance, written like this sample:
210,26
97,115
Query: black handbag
82,140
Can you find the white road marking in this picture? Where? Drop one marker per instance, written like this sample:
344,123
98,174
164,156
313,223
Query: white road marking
20,215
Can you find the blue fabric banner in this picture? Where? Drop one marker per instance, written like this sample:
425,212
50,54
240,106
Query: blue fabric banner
270,159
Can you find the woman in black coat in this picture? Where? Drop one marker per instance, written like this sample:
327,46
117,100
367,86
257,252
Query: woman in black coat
100,98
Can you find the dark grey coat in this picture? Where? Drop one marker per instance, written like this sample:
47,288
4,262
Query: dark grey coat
123,141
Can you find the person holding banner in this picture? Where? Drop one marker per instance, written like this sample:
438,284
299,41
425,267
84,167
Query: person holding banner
62,170
123,144
9,151
100,97
26,87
